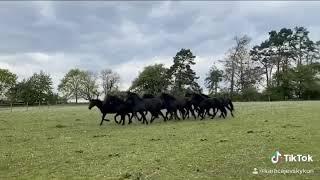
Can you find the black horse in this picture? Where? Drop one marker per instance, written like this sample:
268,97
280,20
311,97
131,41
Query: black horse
227,103
170,103
195,100
119,106
186,104
211,103
137,105
154,105
105,109
202,103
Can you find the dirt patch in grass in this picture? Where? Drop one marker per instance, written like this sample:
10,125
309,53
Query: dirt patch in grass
60,126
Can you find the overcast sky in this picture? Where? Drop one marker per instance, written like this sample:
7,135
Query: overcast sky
126,36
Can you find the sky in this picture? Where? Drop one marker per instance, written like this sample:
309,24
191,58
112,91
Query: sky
126,36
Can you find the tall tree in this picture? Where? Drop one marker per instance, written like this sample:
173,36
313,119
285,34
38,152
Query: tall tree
7,81
280,43
235,64
182,75
70,85
287,50
110,80
303,47
41,85
88,85
214,77
153,79
263,54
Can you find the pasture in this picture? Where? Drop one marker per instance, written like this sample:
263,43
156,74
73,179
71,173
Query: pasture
67,142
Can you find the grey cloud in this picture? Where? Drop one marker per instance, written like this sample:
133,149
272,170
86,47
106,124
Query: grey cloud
96,35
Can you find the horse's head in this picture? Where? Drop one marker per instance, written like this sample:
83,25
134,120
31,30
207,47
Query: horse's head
94,102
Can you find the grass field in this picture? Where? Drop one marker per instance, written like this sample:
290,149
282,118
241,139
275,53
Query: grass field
68,142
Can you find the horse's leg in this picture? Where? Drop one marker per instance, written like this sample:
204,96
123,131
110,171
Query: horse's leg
208,112
171,115
102,119
115,118
215,111
200,114
176,115
143,117
130,118
230,110
123,119
187,113
203,112
164,117
167,113
183,112
199,111
193,114
224,112
153,116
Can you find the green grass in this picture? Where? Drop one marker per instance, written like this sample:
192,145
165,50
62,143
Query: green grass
68,142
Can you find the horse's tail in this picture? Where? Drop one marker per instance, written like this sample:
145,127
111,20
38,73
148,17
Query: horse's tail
231,105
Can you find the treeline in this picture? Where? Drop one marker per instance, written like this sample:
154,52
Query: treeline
76,84
284,66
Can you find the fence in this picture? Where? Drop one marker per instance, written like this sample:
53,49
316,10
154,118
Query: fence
38,105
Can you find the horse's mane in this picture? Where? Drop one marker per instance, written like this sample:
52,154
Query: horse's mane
168,96
96,100
148,96
134,96
199,96
113,98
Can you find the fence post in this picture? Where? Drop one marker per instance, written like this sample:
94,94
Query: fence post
11,106
39,104
27,105
48,104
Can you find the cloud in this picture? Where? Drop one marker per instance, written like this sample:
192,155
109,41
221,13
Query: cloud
126,36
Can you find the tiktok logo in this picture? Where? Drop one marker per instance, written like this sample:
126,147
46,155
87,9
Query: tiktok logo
275,157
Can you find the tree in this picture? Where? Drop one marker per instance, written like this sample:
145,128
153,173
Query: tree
41,86
7,81
153,79
304,80
37,88
110,80
182,75
88,85
304,48
287,50
214,77
70,85
239,71
264,55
